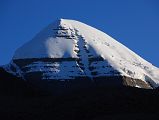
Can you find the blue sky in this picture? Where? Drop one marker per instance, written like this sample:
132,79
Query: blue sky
135,23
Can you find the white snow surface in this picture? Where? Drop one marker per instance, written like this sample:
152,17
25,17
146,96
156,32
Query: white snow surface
63,37
56,70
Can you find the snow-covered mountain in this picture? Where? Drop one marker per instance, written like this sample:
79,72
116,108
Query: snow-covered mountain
68,50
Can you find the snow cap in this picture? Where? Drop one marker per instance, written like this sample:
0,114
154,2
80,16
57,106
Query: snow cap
66,38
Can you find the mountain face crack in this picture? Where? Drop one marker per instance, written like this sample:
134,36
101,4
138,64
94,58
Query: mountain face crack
82,53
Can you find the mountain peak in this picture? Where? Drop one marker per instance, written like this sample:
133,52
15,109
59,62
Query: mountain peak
79,50
60,23
54,41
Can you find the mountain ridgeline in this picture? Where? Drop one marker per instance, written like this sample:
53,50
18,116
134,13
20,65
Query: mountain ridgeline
70,70
69,55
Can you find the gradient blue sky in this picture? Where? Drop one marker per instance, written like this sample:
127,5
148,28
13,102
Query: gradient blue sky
135,23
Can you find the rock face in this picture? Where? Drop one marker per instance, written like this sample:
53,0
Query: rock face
69,52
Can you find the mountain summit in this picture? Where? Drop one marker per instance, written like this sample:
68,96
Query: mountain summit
70,51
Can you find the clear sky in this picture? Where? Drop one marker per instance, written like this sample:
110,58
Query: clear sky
135,23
